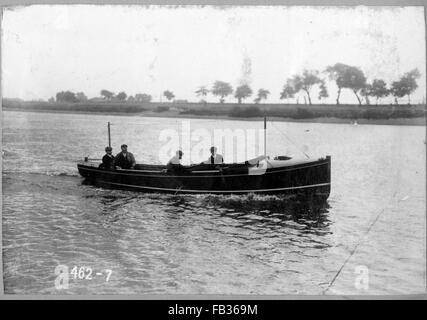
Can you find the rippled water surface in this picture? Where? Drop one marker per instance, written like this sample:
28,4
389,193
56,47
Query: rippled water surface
373,225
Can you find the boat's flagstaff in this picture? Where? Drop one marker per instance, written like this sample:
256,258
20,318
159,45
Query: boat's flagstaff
265,136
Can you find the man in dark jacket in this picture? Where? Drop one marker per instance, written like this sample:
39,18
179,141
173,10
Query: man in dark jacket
108,159
125,159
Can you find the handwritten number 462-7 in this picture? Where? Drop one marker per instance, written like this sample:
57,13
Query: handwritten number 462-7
77,273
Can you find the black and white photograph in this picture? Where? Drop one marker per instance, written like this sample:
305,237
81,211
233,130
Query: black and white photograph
260,150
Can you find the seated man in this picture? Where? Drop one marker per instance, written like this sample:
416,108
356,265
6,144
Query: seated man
108,159
124,159
215,158
175,161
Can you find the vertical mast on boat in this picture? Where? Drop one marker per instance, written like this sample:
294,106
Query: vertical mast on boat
109,135
265,136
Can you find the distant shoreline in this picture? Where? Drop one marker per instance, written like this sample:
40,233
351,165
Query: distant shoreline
416,121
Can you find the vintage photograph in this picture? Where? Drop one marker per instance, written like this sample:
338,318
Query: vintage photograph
213,150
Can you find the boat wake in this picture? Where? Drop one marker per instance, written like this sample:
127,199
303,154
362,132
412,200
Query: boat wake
46,182
6,154
267,204
53,173
288,207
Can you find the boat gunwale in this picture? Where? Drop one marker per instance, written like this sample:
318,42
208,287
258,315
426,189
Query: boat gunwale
221,191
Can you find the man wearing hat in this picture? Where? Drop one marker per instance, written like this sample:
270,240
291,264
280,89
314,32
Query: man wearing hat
124,159
108,159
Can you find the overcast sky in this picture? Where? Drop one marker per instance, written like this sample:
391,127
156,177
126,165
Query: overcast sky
140,49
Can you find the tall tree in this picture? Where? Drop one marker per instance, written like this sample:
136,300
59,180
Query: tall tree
364,92
378,89
349,77
202,91
323,92
289,90
336,73
168,94
143,97
242,92
261,95
108,95
406,85
66,96
122,96
305,82
308,79
81,97
221,89
357,82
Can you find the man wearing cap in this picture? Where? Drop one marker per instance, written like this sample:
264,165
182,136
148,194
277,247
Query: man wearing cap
124,159
108,159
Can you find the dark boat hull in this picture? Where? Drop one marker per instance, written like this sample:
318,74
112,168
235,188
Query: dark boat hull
310,178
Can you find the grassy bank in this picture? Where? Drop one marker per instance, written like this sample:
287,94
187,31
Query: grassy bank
409,114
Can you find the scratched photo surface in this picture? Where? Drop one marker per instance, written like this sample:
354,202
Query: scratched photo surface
348,82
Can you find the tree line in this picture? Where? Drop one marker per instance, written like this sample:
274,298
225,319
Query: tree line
353,78
69,96
345,77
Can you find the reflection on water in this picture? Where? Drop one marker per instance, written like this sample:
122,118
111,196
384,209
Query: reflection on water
260,210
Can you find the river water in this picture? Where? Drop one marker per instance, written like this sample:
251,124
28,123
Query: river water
369,238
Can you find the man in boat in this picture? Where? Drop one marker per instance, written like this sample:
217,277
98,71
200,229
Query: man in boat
176,159
108,159
124,159
175,162
215,158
